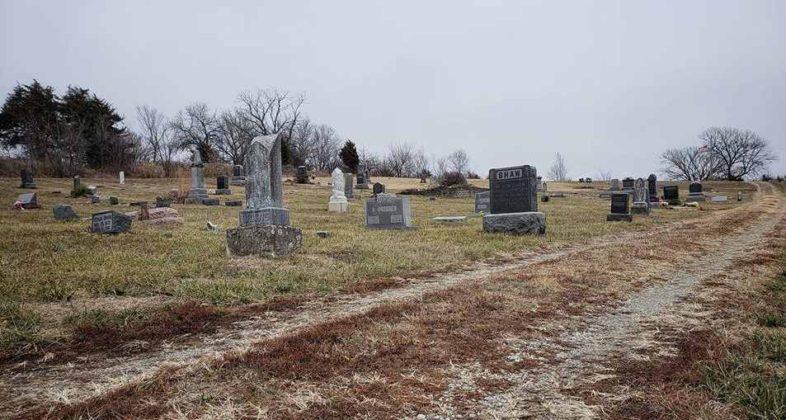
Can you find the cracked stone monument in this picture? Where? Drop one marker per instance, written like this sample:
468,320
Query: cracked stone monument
338,201
198,193
695,192
264,224
27,179
513,200
641,202
620,208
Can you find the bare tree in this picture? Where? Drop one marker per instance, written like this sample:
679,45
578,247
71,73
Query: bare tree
559,169
270,110
400,159
738,152
458,161
154,130
689,163
197,126
604,175
326,145
301,143
234,136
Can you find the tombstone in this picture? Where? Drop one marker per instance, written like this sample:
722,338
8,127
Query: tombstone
94,199
163,202
113,201
27,179
338,201
641,202
238,176
695,192
222,185
349,190
627,184
482,202
362,178
64,212
387,211
198,193
620,208
541,184
614,185
652,188
581,180
211,202
301,175
27,201
588,180
671,193
77,189
513,206
264,228
378,188
110,222
233,203
739,195
92,190
121,177
144,211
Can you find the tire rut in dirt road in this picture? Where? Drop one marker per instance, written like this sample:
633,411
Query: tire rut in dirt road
97,374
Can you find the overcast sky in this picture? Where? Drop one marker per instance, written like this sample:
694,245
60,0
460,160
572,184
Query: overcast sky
608,84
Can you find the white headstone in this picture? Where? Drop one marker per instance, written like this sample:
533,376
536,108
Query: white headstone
338,200
122,177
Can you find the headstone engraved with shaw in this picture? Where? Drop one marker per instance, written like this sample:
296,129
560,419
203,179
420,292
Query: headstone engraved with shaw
620,208
349,186
222,185
652,188
482,202
671,193
387,211
27,179
198,193
695,192
514,202
264,224
641,204
110,222
338,201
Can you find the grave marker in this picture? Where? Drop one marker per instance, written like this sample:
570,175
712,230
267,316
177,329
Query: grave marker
620,208
349,190
514,201
338,201
27,179
482,202
641,203
387,211
110,222
671,193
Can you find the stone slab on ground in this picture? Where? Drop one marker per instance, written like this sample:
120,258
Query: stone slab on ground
615,217
64,212
523,223
110,222
264,240
450,219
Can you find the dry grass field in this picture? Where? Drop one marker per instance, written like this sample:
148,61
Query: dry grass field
364,322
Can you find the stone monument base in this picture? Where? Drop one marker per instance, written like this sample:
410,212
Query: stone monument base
362,186
223,191
695,197
338,206
29,185
619,217
278,216
196,196
531,223
640,208
238,181
264,241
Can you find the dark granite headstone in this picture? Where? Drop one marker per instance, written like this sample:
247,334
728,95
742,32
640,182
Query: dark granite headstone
64,212
652,188
387,211
671,193
28,201
695,187
620,208
233,203
378,188
110,222
222,185
614,185
301,176
482,202
27,179
349,186
113,200
588,180
237,170
627,183
513,190
362,178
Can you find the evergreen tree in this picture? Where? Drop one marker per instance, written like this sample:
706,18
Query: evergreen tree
349,155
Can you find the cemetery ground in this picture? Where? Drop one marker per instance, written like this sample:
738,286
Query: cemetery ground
672,314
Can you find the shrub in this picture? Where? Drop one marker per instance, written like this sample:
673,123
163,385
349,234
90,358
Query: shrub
472,175
453,178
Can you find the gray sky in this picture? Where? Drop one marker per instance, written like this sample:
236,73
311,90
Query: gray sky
608,84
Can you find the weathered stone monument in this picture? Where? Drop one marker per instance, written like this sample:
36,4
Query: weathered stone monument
222,185
349,190
301,175
64,212
627,184
482,202
27,179
238,176
620,208
695,192
338,201
362,177
76,190
110,222
652,188
378,188
641,202
513,206
198,193
264,224
671,193
387,211
614,185
121,178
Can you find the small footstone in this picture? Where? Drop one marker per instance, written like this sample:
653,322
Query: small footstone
210,201
323,234
615,217
94,199
450,219
213,227
113,200
233,203
544,199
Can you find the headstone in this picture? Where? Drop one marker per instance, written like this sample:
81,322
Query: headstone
581,180
513,206
540,184
92,190
238,176
27,179
719,199
378,188
163,202
211,202
198,193
641,202
362,177
233,203
64,212
28,201
94,199
144,211
338,201
671,193
627,184
739,195
695,192
387,211
652,188
588,180
301,175
482,202
614,185
322,234
122,177
544,187
264,224
222,185
349,190
77,189
110,222
113,200
620,208
423,178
